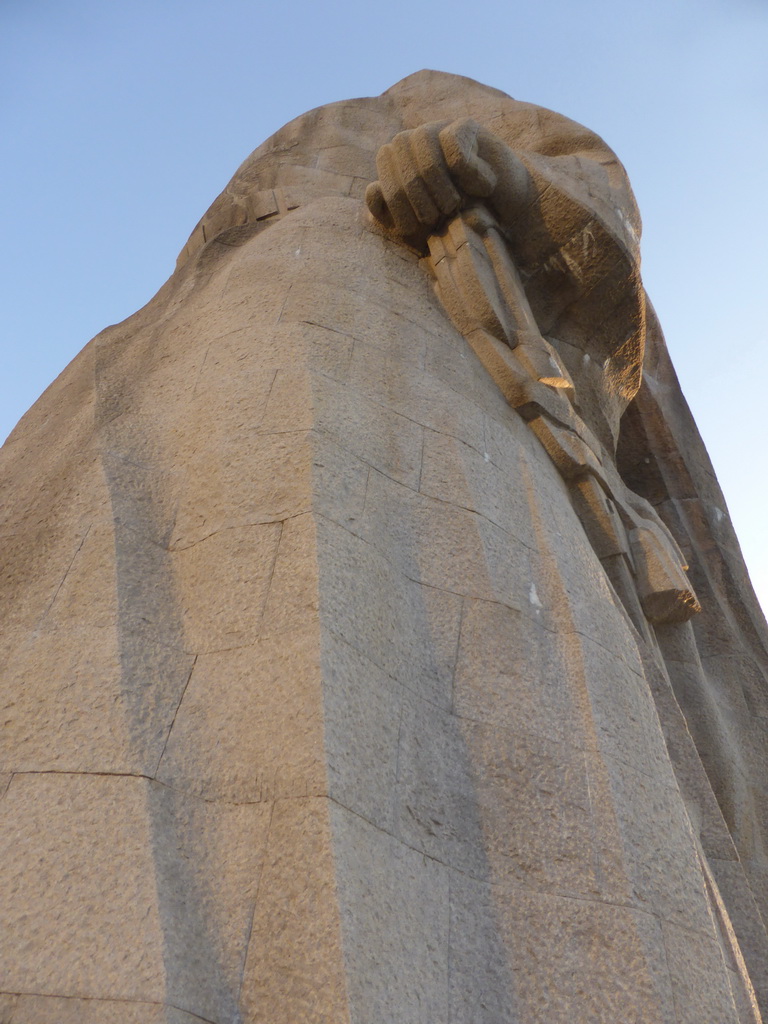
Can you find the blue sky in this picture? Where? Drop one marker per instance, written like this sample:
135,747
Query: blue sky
122,122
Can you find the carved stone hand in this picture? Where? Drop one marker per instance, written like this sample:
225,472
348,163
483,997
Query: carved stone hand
430,173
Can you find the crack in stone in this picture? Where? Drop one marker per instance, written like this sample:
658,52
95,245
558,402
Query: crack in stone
255,904
238,526
175,713
64,577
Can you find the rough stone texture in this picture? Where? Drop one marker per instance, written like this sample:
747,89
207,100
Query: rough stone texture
332,689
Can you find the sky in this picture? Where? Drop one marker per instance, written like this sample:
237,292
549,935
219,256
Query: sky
122,122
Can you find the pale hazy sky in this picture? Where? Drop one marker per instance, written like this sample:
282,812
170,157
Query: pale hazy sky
122,122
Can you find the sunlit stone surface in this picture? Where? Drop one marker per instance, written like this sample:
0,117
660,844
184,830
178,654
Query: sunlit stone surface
351,672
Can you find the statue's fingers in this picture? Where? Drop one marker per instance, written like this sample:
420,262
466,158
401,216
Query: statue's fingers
393,191
428,157
459,142
427,213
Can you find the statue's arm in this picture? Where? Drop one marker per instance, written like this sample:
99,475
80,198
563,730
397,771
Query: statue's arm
459,193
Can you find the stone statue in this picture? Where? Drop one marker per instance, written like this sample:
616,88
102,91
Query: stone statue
377,647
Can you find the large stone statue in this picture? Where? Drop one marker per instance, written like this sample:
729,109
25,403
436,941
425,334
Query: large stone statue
377,648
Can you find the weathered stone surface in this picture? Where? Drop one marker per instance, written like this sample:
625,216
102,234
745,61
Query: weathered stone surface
294,969
345,676
395,913
248,728
56,1010
88,840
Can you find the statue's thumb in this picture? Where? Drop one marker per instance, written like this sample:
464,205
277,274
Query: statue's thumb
374,198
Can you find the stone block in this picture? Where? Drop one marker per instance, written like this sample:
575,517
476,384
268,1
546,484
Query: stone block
326,182
108,703
37,561
142,499
340,480
336,304
223,582
250,725
482,982
494,803
348,160
409,631
148,590
253,296
334,281
390,337
451,359
738,682
746,920
443,546
415,394
573,593
261,204
145,896
329,351
292,598
250,353
624,715
511,671
457,473
659,851
383,439
568,960
294,970
394,905
64,1010
235,416
208,861
289,406
699,979
66,924
362,707
233,485
358,188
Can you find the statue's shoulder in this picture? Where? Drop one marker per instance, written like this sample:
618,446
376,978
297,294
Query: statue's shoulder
331,150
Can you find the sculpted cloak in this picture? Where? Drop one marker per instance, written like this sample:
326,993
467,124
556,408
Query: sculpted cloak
338,680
